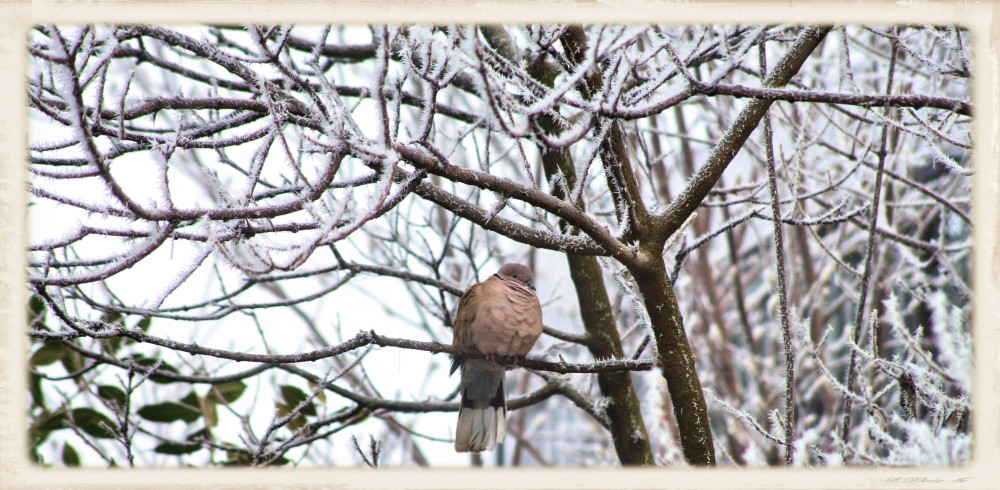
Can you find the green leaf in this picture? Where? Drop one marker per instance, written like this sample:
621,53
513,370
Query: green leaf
48,354
143,325
227,392
164,367
282,461
176,449
71,361
204,407
110,317
111,393
321,396
52,422
34,456
94,423
168,412
296,422
190,400
36,305
293,396
114,344
204,432
208,408
35,388
236,458
69,456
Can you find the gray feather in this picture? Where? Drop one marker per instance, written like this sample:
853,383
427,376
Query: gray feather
482,418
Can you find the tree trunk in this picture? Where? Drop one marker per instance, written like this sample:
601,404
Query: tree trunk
676,360
628,430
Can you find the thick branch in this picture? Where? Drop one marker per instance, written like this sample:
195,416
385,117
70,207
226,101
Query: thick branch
529,236
623,417
724,152
507,187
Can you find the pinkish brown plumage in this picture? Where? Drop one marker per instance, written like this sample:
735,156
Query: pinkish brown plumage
500,316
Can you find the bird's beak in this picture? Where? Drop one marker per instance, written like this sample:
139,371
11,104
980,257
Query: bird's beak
531,285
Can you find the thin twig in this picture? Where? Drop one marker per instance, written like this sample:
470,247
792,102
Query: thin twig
845,429
779,259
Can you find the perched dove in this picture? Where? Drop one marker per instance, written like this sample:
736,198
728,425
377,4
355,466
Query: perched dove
499,317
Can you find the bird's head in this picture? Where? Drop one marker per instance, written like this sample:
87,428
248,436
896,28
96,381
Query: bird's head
519,273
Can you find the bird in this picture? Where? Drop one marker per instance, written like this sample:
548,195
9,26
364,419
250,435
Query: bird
500,316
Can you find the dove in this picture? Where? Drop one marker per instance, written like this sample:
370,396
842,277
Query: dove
500,316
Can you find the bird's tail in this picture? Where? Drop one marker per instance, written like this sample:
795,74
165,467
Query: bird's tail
482,417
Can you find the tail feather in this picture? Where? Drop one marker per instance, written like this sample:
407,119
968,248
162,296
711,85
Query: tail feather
482,420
